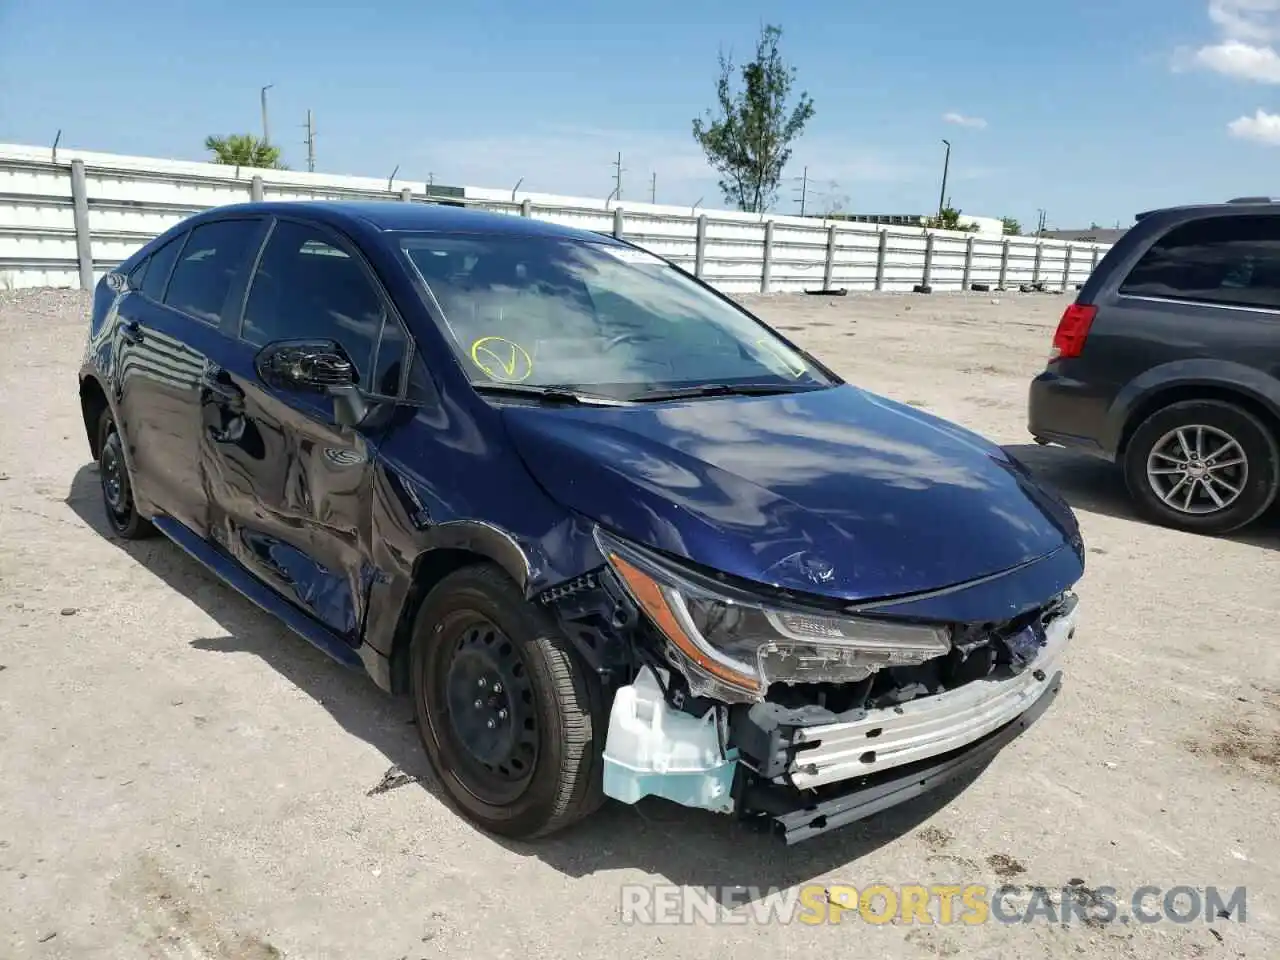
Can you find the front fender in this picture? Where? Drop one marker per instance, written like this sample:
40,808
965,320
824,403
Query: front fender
1182,375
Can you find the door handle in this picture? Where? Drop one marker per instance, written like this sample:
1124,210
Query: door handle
131,331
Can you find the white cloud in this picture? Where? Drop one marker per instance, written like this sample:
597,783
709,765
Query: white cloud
1244,49
960,120
1257,20
1262,127
1241,60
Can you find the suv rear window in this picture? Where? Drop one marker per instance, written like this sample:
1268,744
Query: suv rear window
1232,260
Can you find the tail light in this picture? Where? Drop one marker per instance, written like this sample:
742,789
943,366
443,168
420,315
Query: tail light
1073,328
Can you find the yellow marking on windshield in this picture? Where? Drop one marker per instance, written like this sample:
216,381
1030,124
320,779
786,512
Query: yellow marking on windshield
794,363
502,359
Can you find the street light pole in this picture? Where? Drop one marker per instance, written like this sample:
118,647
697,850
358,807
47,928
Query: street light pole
946,165
266,133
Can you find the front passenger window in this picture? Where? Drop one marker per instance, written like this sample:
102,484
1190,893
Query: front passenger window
308,288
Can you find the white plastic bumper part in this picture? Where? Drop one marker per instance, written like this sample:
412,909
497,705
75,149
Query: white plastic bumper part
927,727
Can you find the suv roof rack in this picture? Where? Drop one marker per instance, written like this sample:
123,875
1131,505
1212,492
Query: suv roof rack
1253,200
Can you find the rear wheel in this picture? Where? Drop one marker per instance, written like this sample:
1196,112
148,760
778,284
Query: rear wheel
117,486
511,721
1206,466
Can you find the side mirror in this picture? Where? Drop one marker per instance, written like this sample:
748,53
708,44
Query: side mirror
315,366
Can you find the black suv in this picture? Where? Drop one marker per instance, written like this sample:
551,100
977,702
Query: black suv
1168,363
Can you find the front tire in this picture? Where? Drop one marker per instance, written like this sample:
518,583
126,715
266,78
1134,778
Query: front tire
1205,466
117,485
512,722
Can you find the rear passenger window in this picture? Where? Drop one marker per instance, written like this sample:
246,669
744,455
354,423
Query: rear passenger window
1234,261
308,288
158,267
210,261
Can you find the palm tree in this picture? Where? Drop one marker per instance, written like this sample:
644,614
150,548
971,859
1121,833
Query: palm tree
244,150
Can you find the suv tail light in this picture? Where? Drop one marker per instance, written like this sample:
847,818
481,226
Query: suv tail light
1073,328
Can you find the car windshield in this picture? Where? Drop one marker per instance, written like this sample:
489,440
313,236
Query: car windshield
595,317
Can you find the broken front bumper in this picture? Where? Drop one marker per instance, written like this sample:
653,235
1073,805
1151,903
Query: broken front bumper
811,771
895,736
798,817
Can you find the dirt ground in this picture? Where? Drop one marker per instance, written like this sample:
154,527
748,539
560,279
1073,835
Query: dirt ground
182,777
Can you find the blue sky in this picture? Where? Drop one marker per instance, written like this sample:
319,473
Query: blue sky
1092,109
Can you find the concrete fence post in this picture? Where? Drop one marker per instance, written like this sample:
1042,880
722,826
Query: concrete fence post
1066,267
618,224
526,208
968,263
256,190
700,250
926,279
767,270
406,194
1093,264
1035,266
882,253
1004,266
829,272
80,217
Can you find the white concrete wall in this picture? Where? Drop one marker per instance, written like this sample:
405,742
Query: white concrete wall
132,199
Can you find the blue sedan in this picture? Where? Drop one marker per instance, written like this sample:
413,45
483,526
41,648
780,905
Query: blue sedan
614,535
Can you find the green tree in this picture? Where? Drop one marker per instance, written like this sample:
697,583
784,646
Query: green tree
1012,227
748,140
949,219
244,150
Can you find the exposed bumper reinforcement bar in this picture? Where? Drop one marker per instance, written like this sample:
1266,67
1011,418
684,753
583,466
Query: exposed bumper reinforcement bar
878,793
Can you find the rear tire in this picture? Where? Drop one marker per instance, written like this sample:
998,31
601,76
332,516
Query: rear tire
512,722
117,485
1205,466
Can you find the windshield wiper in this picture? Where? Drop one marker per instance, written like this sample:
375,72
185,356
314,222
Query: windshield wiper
549,394
722,390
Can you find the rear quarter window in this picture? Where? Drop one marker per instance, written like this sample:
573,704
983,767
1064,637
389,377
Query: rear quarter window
1229,260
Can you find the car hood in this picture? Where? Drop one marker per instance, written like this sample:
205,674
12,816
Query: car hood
836,492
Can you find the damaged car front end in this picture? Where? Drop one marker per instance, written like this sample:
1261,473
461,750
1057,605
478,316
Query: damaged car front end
804,713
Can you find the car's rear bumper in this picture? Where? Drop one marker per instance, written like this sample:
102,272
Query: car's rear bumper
1068,412
801,817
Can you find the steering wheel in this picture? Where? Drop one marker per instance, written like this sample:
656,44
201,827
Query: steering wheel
631,337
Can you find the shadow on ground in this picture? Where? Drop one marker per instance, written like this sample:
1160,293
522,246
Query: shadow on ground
688,847
1097,486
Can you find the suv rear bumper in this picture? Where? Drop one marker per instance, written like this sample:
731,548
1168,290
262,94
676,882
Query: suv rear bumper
1068,412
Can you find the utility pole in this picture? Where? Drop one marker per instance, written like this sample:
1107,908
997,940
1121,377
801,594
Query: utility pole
1040,221
653,188
804,190
266,130
311,144
617,177
946,166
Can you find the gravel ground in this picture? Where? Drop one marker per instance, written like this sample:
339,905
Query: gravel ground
184,778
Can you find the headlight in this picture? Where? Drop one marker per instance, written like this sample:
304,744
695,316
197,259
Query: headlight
732,646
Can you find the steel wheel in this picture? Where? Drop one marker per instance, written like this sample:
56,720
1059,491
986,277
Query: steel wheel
1198,469
512,722
490,716
117,487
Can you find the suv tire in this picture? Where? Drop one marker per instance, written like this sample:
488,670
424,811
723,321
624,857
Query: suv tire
513,723
117,485
1179,448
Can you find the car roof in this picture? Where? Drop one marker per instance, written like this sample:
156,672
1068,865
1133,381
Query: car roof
1243,206
398,215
